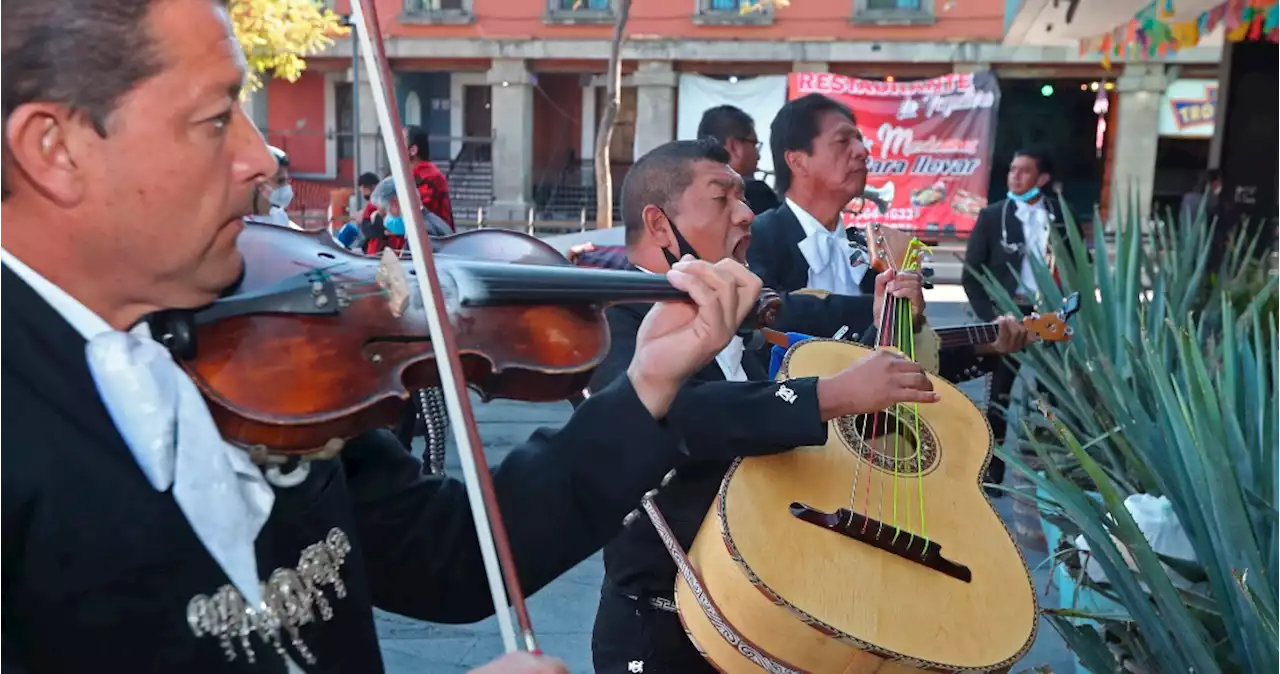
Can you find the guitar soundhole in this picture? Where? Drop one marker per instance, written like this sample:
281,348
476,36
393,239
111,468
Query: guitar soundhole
894,441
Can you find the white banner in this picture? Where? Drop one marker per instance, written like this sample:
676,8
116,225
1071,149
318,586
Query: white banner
761,97
1187,109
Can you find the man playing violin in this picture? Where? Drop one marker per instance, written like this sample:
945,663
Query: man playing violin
135,539
684,198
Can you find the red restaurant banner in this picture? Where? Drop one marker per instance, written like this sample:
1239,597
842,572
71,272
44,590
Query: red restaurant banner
929,146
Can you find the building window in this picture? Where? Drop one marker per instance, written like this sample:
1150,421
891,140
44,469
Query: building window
893,12
344,109
579,11
437,11
732,12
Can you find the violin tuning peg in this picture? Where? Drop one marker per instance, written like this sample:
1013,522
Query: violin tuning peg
666,479
649,495
631,517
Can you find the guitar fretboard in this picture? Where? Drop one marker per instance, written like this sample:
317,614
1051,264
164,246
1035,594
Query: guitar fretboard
967,335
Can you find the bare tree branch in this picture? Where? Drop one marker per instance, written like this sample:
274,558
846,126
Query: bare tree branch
604,135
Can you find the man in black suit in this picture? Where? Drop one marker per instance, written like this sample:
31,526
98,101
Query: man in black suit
736,131
683,198
1006,235
135,539
820,165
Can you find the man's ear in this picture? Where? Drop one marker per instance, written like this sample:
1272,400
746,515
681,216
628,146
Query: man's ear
798,162
42,141
657,227
1043,180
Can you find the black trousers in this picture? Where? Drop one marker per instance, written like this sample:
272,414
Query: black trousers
1003,376
630,631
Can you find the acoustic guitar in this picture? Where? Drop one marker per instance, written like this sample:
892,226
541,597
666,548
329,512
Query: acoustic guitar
876,552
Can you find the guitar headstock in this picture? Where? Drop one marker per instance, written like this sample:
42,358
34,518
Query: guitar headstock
891,248
1053,327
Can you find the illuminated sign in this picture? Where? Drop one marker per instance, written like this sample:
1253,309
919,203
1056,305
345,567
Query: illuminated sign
1188,109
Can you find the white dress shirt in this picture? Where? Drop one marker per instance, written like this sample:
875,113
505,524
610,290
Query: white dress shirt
166,424
827,253
1035,233
730,357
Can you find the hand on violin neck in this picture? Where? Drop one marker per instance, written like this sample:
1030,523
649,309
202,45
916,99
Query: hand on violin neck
679,338
874,383
901,285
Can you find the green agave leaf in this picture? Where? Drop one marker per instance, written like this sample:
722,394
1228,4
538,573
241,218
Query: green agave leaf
1172,611
1266,610
1085,514
1086,644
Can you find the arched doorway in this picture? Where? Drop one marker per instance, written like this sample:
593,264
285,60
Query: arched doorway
412,109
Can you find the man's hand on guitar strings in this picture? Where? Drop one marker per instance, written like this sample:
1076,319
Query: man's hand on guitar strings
874,383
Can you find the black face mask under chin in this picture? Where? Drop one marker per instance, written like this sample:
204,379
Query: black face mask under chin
681,243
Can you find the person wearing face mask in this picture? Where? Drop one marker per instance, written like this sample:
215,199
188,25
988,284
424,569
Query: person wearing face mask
274,195
1005,238
386,229
683,199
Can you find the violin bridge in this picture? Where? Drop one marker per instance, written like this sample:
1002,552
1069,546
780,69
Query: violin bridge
392,279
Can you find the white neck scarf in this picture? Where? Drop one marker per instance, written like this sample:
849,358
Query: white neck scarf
828,254
164,420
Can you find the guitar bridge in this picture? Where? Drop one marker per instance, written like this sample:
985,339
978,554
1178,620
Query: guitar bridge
889,538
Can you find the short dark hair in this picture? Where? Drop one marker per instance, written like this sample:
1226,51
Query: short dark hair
660,177
1044,165
418,136
724,122
84,54
368,179
796,126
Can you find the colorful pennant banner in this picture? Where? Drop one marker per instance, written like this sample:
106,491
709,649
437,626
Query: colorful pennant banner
1151,33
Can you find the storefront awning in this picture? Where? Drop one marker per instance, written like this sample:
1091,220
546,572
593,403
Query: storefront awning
1067,22
1142,29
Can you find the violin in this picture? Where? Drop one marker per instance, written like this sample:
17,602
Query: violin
316,345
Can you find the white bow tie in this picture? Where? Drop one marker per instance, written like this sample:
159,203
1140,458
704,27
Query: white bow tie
829,247
166,424
830,268
1025,211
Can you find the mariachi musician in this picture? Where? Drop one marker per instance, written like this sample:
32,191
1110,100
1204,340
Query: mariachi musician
821,165
1005,238
135,538
683,198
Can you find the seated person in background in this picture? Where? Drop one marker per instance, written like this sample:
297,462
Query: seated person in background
349,235
274,195
386,229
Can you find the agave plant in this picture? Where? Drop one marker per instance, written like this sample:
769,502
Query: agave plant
1171,378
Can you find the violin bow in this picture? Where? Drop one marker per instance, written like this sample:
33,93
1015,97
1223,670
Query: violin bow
495,548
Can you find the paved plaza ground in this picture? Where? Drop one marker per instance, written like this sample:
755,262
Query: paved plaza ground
563,611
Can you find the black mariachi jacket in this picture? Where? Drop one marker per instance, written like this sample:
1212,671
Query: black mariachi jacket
719,421
99,569
996,243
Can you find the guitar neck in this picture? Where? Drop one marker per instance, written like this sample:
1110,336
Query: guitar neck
967,335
